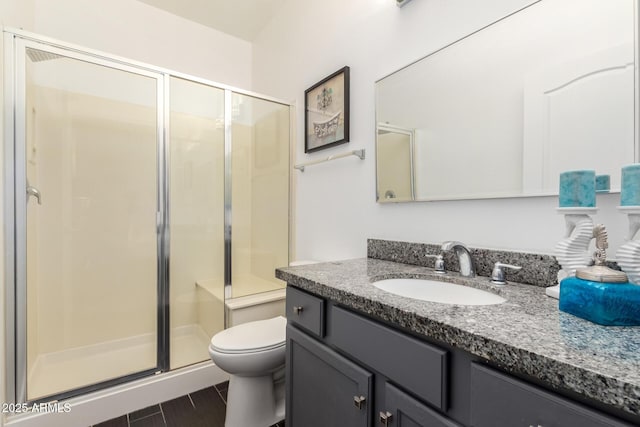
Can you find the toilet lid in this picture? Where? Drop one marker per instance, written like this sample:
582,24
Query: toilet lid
251,337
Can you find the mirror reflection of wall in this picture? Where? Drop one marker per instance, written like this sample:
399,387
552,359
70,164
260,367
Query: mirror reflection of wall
503,111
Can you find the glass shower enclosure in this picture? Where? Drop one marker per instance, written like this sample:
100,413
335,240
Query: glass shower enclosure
138,199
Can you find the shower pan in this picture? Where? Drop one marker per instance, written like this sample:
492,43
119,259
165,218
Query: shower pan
138,199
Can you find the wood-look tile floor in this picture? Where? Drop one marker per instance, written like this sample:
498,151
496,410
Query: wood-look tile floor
203,408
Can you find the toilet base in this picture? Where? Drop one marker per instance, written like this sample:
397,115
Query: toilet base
254,401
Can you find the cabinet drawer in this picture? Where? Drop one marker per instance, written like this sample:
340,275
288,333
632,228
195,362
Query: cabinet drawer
305,310
499,400
419,367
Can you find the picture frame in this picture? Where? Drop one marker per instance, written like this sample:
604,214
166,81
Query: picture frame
326,112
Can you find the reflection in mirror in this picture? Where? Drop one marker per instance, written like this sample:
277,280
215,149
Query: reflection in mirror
395,163
502,112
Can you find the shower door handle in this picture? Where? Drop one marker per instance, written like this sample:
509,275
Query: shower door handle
33,191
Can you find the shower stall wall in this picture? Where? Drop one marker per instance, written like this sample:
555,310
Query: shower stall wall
138,200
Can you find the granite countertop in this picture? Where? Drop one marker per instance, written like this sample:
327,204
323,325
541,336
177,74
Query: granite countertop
527,334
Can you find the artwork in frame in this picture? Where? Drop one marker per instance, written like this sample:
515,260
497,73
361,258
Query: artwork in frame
326,112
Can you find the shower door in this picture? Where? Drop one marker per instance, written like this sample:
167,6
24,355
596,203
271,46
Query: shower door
90,217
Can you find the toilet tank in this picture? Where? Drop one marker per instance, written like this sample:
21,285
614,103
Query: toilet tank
264,305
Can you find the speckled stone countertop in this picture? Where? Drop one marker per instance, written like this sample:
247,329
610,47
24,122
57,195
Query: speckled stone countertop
527,334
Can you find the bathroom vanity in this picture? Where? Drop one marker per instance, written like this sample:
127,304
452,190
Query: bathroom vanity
359,356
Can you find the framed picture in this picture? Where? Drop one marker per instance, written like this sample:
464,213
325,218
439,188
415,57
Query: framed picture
326,112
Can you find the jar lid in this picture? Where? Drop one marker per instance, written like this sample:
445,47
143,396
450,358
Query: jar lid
601,273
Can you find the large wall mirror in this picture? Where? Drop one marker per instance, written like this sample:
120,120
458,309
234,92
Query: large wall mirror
501,112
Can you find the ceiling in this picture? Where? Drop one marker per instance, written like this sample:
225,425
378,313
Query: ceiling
239,18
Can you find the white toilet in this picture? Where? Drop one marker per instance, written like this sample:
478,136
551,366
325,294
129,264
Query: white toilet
253,354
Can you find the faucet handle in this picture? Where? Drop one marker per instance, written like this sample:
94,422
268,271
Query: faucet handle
497,275
439,263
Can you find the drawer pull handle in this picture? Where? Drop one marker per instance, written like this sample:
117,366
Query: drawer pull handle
385,418
359,401
297,310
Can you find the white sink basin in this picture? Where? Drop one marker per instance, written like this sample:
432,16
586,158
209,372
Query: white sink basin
435,291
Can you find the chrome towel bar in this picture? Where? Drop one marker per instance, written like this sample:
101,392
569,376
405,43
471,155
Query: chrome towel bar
358,153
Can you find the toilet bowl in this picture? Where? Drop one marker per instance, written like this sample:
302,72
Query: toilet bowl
253,355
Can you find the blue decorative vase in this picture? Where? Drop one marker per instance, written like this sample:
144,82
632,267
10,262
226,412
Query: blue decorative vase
600,294
578,189
630,191
610,304
603,183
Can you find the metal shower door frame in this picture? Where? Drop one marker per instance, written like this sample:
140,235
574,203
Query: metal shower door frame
15,46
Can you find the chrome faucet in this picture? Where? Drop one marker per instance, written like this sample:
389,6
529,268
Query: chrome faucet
467,267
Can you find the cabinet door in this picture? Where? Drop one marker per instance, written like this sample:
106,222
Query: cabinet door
324,388
499,400
402,410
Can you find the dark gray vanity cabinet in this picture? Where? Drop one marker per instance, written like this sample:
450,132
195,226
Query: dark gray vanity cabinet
346,369
326,389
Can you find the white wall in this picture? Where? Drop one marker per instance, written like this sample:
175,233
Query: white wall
18,13
137,31
336,208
